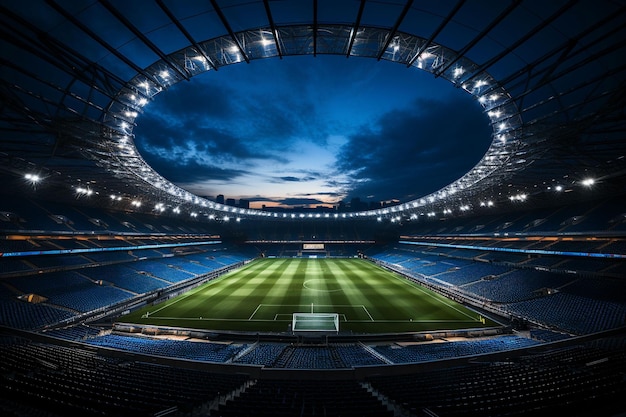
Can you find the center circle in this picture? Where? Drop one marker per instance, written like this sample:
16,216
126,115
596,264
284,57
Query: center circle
320,284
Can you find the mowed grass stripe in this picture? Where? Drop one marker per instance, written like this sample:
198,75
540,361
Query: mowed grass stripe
349,275
224,301
217,301
317,290
372,299
281,293
396,300
433,301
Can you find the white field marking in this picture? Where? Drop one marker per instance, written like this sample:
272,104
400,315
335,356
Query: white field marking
304,284
304,305
414,321
307,307
408,282
290,317
177,299
254,312
211,319
368,313
195,290
341,315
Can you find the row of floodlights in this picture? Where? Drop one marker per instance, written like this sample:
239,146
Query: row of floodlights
160,207
521,197
164,75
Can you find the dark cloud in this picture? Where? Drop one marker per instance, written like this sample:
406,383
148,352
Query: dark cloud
192,101
289,179
306,176
299,201
180,143
415,151
249,121
242,119
191,171
159,136
327,194
288,201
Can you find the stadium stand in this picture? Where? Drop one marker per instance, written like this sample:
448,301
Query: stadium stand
548,299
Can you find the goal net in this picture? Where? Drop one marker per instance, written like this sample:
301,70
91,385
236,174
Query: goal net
315,322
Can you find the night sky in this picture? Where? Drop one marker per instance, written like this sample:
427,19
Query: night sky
306,131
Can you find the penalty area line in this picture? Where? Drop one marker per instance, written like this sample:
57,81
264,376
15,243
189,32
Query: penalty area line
254,312
368,313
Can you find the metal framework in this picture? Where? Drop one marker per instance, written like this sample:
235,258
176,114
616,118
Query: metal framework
554,91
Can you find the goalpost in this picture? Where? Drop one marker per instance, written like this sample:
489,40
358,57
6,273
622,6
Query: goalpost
315,322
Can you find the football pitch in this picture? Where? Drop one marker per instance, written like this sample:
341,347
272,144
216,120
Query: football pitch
263,295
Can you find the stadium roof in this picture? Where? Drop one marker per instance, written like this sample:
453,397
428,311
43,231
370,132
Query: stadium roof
551,77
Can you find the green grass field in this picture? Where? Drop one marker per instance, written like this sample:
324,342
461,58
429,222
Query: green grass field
263,295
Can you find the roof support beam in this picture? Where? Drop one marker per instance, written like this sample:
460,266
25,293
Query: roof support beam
184,31
355,29
441,26
588,81
512,6
268,11
101,41
564,49
222,17
61,56
314,28
39,79
545,23
394,29
143,38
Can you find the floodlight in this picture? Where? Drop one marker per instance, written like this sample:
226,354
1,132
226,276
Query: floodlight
85,191
34,178
480,83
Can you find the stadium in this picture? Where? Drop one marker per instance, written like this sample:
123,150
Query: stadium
501,293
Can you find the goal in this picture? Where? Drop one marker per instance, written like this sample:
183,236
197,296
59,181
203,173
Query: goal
315,322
